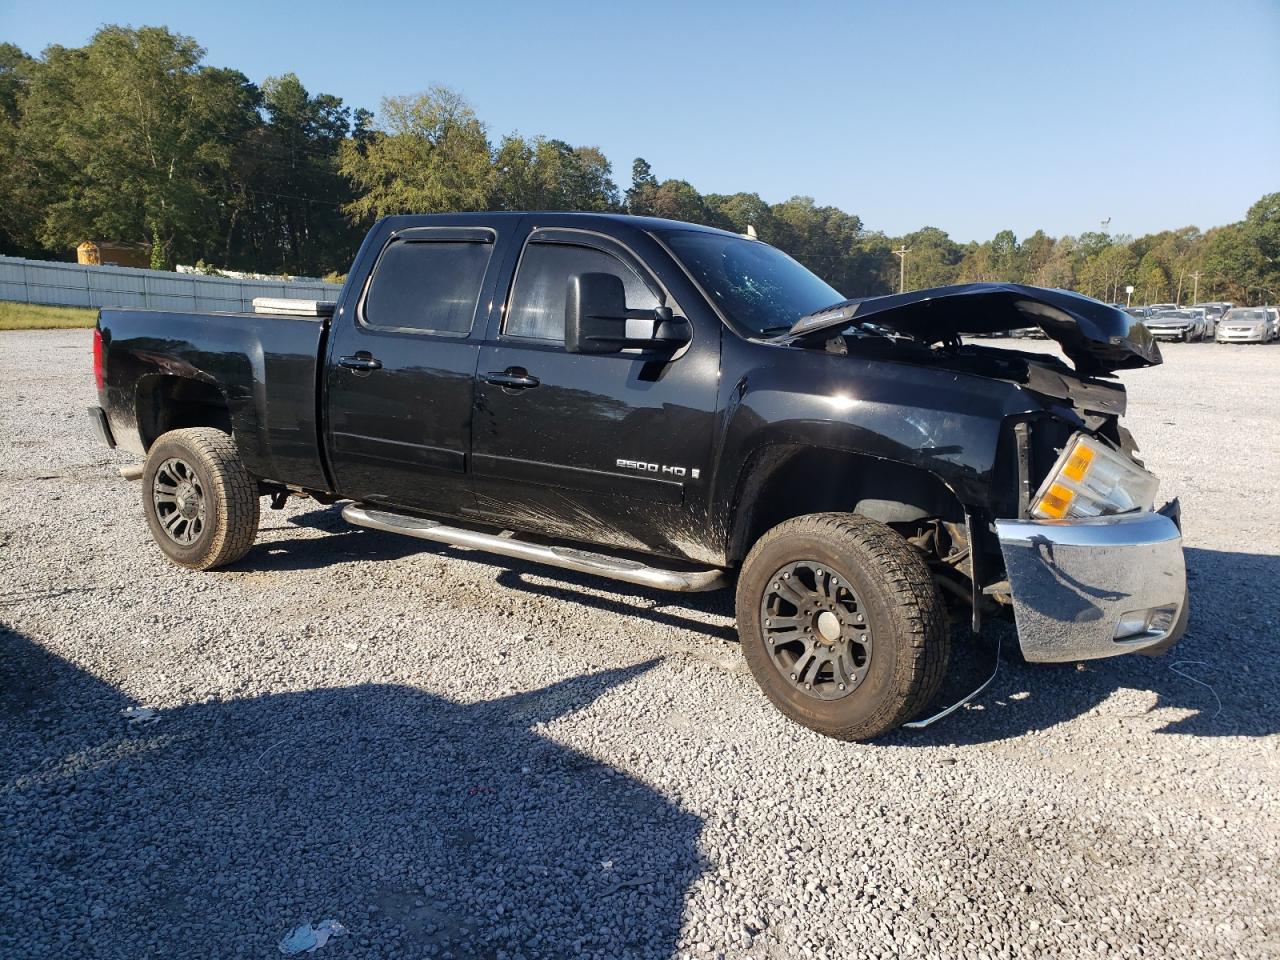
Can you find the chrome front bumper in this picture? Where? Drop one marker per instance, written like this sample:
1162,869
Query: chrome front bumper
1073,583
1241,336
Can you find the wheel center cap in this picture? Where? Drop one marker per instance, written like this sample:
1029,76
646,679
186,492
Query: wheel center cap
188,501
828,626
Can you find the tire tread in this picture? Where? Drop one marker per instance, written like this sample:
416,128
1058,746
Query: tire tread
923,659
234,489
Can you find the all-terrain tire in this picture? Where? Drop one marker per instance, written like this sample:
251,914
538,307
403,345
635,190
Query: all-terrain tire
228,519
910,641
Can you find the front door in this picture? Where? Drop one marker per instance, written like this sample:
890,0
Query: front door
402,369
604,449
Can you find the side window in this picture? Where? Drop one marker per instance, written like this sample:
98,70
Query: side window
427,285
542,286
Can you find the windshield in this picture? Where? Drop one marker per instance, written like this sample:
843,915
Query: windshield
1246,315
758,287
1172,315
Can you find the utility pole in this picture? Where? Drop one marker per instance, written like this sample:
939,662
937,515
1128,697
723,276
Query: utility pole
1195,287
901,254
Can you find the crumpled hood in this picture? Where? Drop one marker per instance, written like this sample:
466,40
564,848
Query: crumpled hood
1095,337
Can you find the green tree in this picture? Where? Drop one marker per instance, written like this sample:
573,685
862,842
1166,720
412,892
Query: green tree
1004,256
822,238
1262,225
20,204
678,200
1236,267
933,258
1110,271
1058,270
426,154
135,139
1034,253
639,198
738,211
285,210
544,174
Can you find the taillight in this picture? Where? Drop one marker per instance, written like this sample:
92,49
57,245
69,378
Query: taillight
97,359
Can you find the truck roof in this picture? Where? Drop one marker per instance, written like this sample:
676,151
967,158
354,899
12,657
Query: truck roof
404,221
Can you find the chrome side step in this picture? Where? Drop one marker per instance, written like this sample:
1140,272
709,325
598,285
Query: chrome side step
569,558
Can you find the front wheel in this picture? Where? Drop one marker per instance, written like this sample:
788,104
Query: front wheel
201,504
841,625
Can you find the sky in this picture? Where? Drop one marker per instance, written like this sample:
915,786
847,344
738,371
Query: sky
970,116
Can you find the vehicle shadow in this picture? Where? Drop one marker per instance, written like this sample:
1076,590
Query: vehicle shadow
1230,643
277,550
351,543
1223,676
424,826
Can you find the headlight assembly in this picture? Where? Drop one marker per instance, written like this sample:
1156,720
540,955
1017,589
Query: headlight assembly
1091,479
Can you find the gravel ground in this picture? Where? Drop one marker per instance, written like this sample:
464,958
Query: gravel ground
461,756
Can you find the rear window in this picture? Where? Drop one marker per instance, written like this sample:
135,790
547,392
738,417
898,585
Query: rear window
427,286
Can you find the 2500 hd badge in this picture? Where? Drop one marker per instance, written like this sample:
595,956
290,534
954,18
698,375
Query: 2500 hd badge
658,468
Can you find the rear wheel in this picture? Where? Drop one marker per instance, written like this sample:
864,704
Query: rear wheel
841,625
201,504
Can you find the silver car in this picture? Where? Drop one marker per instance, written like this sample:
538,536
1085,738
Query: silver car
1205,325
1181,325
1245,325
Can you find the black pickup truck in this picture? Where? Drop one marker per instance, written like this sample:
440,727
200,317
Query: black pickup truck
681,407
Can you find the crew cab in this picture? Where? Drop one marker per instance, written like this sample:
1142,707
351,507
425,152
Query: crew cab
687,409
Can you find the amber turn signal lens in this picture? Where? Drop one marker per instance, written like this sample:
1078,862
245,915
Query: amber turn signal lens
1077,464
1055,502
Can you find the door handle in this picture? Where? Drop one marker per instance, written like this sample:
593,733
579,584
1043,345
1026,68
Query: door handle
361,361
514,378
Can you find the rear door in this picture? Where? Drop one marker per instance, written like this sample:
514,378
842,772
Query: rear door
605,449
402,369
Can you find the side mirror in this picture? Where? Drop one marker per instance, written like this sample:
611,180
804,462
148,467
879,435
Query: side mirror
596,320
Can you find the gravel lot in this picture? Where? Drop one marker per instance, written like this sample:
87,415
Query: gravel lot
461,756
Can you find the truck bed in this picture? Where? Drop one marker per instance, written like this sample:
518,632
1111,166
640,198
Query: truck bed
263,368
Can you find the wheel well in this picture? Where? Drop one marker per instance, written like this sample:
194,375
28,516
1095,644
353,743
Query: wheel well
787,481
168,403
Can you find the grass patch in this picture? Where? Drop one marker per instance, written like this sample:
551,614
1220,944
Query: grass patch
31,316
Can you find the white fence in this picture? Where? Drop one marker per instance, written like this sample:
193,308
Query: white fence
81,285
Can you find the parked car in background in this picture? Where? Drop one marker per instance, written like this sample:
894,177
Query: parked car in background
1273,320
1161,307
1245,325
1181,325
1204,325
1141,313
1215,309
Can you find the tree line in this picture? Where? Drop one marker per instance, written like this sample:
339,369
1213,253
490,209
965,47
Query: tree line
135,137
